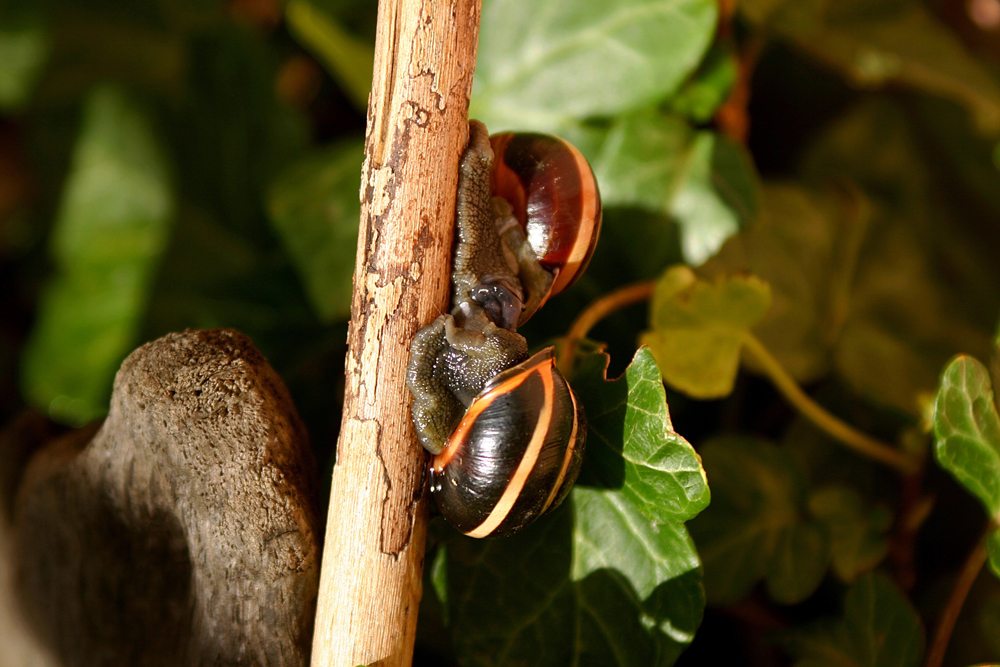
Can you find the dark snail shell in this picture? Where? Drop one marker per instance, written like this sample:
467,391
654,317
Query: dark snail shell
516,453
552,190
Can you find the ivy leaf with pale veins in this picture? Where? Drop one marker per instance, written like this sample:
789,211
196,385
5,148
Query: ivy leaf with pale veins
757,527
879,628
541,62
717,197
314,208
698,328
597,582
703,181
967,431
114,218
631,443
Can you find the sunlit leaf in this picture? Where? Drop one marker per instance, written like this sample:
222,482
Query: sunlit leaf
700,179
717,196
967,430
878,628
631,444
641,160
315,209
112,227
542,62
857,536
756,527
698,328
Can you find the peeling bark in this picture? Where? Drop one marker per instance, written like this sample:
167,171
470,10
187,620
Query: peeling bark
370,586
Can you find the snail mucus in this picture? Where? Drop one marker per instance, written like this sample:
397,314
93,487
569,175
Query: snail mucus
505,431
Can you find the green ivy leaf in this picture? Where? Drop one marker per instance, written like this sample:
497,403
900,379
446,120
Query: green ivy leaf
631,444
700,179
24,48
717,197
967,431
857,537
112,227
542,62
314,208
879,628
640,161
598,581
700,97
756,527
594,583
348,59
890,42
698,328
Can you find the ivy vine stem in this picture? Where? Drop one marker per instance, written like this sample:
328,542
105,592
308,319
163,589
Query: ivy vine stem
597,311
786,384
949,615
832,425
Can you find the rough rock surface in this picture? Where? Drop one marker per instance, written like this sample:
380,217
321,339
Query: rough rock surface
184,532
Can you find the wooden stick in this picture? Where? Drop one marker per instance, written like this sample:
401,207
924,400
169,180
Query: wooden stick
370,581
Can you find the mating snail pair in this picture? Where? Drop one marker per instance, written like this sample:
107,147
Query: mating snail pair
506,431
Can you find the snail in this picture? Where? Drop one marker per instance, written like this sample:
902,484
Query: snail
553,194
506,431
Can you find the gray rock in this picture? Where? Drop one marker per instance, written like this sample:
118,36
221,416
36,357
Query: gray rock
185,531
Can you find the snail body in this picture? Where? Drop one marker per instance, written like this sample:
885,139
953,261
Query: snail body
506,431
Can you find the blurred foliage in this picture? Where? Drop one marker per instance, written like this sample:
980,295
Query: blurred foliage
879,628
823,175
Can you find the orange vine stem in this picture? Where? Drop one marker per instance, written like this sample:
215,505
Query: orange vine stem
785,383
597,311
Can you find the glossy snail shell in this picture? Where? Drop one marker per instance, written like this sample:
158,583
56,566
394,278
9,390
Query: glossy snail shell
515,454
552,190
